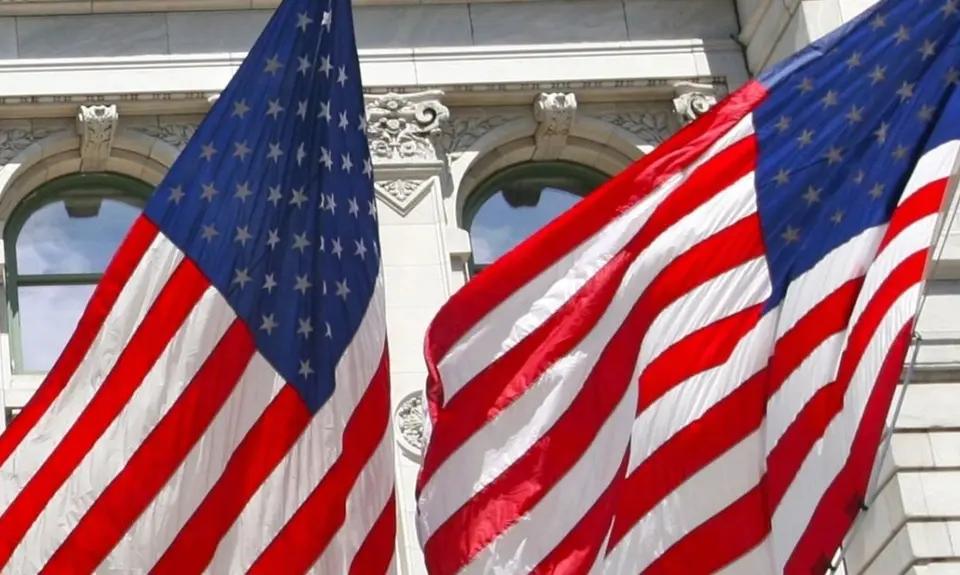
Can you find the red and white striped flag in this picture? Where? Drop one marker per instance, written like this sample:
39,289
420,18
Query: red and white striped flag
223,405
689,371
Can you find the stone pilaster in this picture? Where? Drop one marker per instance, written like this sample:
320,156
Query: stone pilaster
404,132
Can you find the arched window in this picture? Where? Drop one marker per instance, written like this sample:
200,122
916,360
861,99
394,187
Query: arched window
58,243
517,201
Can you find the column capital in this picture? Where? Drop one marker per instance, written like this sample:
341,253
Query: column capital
403,128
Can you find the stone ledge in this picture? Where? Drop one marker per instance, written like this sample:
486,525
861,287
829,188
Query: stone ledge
479,76
55,7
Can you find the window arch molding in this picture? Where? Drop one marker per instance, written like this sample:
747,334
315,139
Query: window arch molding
81,195
549,187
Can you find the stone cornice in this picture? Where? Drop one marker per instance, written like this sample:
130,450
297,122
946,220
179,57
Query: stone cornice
55,7
183,84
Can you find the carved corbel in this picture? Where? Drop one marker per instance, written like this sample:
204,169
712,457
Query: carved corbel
554,114
693,100
404,128
96,126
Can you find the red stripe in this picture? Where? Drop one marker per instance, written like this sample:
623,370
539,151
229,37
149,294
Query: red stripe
511,375
719,541
156,460
578,550
832,518
518,489
376,551
924,202
301,541
264,446
828,317
664,472
688,451
509,273
733,418
116,276
791,451
702,350
159,326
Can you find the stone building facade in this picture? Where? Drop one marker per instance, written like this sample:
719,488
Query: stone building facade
486,118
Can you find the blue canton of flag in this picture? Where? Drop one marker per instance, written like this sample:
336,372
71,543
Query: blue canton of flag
273,196
844,123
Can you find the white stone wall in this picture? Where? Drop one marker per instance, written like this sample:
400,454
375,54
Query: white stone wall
472,83
913,526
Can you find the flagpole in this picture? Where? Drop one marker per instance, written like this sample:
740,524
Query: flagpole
944,225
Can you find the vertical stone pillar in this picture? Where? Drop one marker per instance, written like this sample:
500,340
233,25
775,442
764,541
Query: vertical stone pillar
403,130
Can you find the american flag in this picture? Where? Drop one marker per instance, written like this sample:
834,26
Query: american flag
223,405
689,372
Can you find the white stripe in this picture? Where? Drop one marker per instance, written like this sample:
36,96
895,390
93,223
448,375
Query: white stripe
312,456
600,561
757,561
174,369
706,493
148,279
813,373
936,164
366,502
154,531
829,454
915,237
831,451
500,443
723,296
689,401
844,263
536,301
529,541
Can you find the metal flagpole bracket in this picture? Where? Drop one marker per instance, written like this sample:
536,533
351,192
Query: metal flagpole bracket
916,339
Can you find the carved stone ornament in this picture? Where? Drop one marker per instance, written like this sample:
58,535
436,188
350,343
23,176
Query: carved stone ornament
405,127
462,132
409,421
177,135
651,126
96,126
693,100
402,194
554,114
14,141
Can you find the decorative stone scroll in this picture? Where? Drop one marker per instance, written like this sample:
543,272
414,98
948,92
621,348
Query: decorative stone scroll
460,133
554,114
651,126
13,141
693,100
177,135
403,193
409,421
97,126
405,127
